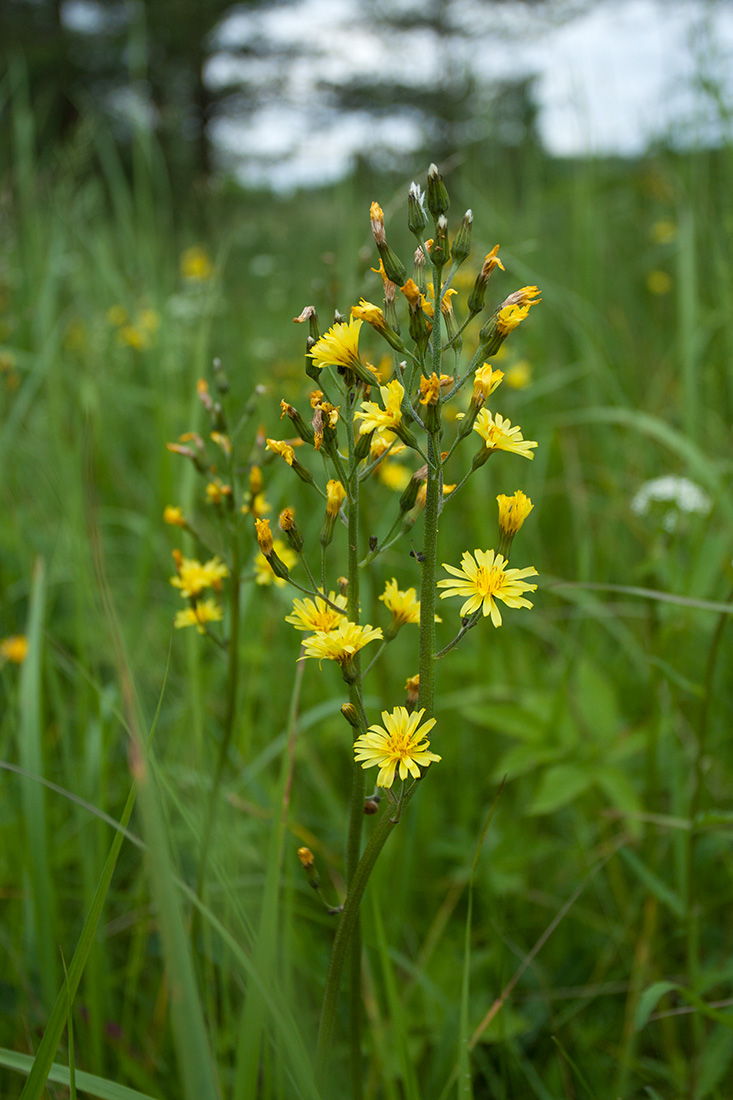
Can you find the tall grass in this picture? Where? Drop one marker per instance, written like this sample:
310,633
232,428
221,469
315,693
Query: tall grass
587,952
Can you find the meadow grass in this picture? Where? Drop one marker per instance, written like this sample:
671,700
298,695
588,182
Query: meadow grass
577,947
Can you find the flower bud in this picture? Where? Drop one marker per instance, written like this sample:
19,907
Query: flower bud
290,529
439,251
351,715
308,863
477,295
363,446
419,273
437,196
305,431
309,314
220,376
512,513
416,217
462,242
394,268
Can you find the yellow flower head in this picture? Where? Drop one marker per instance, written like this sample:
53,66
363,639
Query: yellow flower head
401,741
422,493
133,337
519,375
335,496
306,857
263,570
658,282
173,515
14,649
412,687
446,305
117,316
491,261
390,416
264,536
193,577
376,216
373,315
342,643
317,616
280,448
515,308
196,265
411,291
394,475
485,381
339,347
499,435
430,388
383,441
205,611
484,579
513,511
403,604
217,492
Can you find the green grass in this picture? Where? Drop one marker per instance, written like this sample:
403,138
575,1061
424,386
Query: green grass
605,869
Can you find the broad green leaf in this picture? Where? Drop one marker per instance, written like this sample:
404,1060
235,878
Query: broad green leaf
595,697
87,1083
559,786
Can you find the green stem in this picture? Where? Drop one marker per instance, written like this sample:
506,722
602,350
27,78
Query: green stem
230,715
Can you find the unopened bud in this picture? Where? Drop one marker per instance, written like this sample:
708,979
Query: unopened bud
362,446
439,251
304,430
477,295
220,376
351,715
394,268
308,863
437,197
462,242
290,529
416,217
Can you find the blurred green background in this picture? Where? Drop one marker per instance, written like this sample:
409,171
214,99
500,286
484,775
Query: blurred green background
608,709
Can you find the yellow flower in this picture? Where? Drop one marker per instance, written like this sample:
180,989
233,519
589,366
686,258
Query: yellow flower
318,616
263,570
264,536
217,492
373,315
196,265
193,577
509,317
513,511
499,435
382,441
403,604
658,282
484,579
485,381
257,506
519,375
117,315
662,232
342,643
205,611
149,320
339,347
422,493
281,448
394,475
401,741
14,648
174,516
430,388
390,417
133,337
335,496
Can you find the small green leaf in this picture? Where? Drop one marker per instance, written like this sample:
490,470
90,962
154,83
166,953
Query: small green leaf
559,786
649,1001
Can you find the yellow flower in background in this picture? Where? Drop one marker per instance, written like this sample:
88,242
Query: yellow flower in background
117,315
342,643
499,435
513,511
383,441
422,493
658,282
205,611
339,347
149,320
14,649
519,375
484,579
401,742
218,492
317,615
257,506
430,388
263,570
133,337
174,516
193,577
663,232
394,475
196,265
389,417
